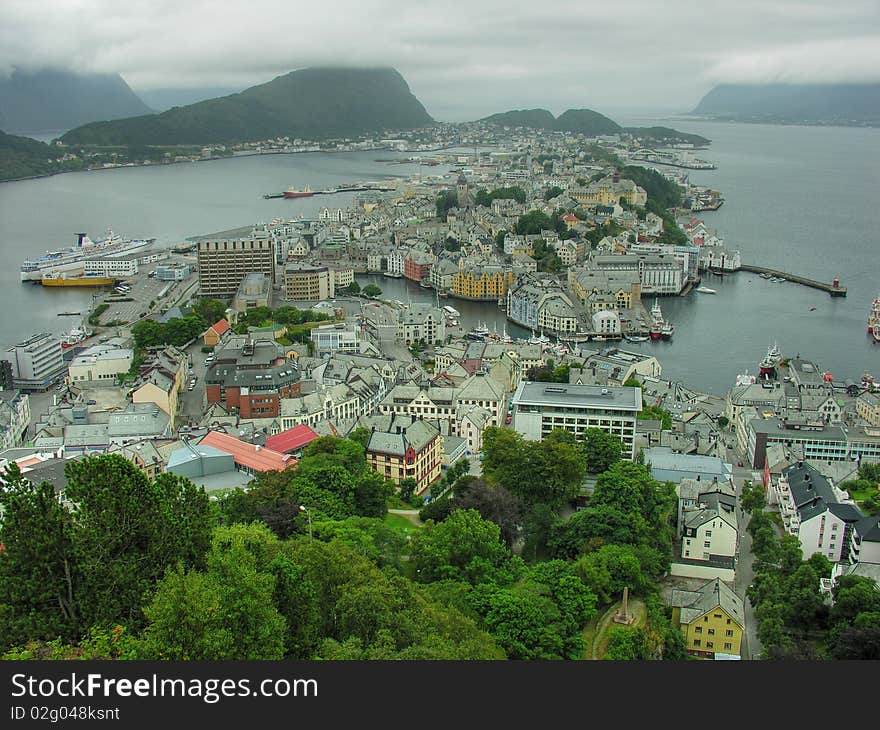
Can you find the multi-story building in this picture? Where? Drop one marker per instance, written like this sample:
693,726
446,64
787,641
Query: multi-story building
15,417
419,322
36,362
223,265
160,379
814,439
120,266
341,337
255,290
868,408
99,365
251,376
711,618
539,408
658,274
402,447
417,266
609,191
173,272
537,302
605,290
305,282
615,367
811,509
482,282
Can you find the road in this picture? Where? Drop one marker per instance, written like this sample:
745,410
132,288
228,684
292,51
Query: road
745,574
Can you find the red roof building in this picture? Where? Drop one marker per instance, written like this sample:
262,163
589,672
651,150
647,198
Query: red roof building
293,440
248,457
215,332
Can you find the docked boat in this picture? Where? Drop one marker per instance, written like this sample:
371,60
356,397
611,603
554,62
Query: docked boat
74,257
657,321
667,330
636,338
705,290
770,361
69,314
292,192
62,278
874,320
451,311
393,274
75,336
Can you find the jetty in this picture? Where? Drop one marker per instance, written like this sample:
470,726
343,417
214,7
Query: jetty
834,288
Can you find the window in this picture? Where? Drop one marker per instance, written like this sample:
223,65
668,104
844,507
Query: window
710,644
698,629
696,642
729,632
717,615
711,632
728,646
728,622
708,533
707,544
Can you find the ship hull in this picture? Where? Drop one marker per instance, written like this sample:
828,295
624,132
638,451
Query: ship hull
655,335
79,281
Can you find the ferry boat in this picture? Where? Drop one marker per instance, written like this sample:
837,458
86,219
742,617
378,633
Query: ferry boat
874,320
292,192
61,278
771,360
72,258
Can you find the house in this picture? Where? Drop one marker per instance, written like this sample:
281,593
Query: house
292,441
814,511
404,447
711,619
161,379
215,333
249,458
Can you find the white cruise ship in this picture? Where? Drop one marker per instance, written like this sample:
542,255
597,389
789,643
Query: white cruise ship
72,258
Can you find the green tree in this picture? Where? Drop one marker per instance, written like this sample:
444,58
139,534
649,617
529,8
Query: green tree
602,450
372,291
462,546
553,192
353,289
628,643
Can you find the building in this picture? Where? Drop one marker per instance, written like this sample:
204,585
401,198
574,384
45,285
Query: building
658,273
173,272
539,408
709,537
421,322
668,466
251,376
868,408
711,619
160,380
292,441
538,302
137,422
865,545
600,290
814,439
255,290
215,333
614,367
304,282
811,509
405,447
249,458
36,362
482,282
341,337
606,323
113,266
99,365
223,265
15,417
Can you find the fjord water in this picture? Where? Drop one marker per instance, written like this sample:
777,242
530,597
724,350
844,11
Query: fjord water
802,199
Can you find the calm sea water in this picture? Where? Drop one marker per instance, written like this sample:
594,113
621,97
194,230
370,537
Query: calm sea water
798,198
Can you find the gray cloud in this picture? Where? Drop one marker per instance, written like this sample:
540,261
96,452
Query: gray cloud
462,59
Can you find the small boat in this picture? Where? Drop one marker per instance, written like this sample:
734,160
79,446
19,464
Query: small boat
705,290
69,314
451,311
636,338
812,309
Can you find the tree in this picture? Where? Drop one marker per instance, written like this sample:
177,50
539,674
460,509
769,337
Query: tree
372,291
602,450
38,567
533,222
552,192
658,414
752,498
361,436
628,643
462,546
353,289
494,503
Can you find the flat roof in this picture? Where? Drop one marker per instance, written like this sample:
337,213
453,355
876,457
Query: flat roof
585,396
775,427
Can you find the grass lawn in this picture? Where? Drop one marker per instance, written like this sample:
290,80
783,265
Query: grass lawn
605,625
403,523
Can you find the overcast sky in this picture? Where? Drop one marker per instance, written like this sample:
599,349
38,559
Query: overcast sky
463,60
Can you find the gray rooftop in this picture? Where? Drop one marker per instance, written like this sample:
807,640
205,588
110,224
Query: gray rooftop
579,396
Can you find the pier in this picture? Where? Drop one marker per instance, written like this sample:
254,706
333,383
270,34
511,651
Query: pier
834,288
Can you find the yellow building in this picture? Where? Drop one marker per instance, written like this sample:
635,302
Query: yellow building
868,407
711,619
609,191
482,283
161,380
403,447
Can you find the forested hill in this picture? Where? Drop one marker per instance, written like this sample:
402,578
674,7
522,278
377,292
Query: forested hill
810,103
591,124
312,103
25,157
51,100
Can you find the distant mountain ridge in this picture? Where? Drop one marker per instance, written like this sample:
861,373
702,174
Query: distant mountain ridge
313,103
50,100
811,103
589,123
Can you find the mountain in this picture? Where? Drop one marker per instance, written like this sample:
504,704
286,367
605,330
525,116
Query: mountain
811,103
51,100
311,103
160,100
24,157
590,124
586,122
531,118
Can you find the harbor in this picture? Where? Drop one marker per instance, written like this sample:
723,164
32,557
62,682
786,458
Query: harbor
834,288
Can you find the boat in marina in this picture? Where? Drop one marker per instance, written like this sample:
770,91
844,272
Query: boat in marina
636,338
65,278
74,257
770,361
874,320
657,322
705,290
75,336
392,274
451,311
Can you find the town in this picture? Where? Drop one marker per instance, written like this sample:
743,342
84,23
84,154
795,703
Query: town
237,358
